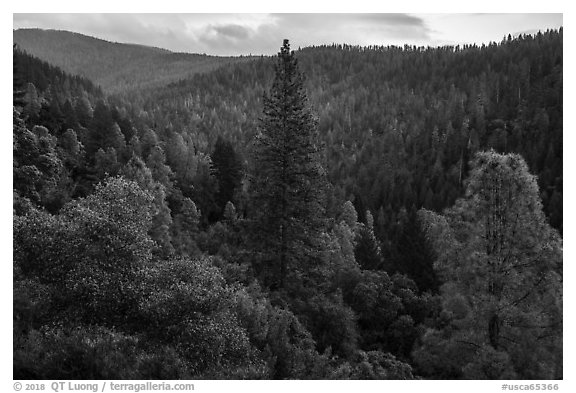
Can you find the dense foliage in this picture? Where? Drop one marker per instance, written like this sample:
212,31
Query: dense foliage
335,212
501,264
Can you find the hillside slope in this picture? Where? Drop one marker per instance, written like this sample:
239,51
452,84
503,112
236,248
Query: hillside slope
400,124
115,67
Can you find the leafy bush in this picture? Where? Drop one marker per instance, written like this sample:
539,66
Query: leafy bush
373,365
92,353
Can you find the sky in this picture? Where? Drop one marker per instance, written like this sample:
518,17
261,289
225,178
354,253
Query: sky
236,34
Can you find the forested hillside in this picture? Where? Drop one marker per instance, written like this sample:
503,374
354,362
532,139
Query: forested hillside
399,124
114,66
335,212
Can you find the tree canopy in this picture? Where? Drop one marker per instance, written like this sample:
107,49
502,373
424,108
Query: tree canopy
332,212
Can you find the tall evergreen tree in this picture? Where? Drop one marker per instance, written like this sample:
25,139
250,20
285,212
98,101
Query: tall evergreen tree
414,256
17,83
288,182
227,169
367,250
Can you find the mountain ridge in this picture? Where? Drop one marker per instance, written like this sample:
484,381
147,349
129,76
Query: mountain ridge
116,67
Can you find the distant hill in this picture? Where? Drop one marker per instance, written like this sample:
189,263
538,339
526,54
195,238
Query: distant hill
114,66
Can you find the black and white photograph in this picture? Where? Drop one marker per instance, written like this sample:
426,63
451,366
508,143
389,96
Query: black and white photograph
287,196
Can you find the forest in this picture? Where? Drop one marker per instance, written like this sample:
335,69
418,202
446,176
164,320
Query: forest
334,212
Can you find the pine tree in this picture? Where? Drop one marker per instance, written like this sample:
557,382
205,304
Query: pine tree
414,255
106,163
161,172
185,228
70,149
287,181
32,104
83,109
501,264
227,169
367,250
36,165
17,83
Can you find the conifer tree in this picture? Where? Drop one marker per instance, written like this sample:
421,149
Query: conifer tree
501,264
414,255
185,228
287,182
227,169
32,104
161,172
17,83
367,249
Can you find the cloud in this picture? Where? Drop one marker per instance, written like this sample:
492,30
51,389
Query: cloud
235,34
394,19
356,29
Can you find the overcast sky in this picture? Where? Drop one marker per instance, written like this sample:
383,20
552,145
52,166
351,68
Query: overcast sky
235,34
